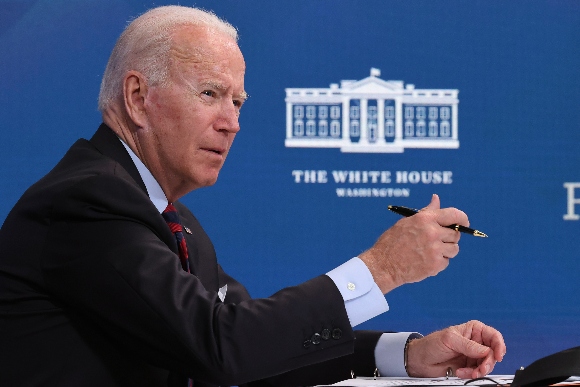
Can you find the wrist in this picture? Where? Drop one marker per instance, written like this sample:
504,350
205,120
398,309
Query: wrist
407,360
382,274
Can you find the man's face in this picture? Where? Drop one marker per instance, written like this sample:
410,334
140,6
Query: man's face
193,120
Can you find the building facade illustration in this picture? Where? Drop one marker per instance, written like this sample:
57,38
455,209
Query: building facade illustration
371,116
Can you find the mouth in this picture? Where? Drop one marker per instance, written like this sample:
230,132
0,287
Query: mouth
217,151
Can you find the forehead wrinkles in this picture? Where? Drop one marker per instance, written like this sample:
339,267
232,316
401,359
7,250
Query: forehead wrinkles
197,42
181,53
198,48
185,51
196,69
199,58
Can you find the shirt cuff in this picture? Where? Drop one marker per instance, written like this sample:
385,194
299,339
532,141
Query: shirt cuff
390,353
363,299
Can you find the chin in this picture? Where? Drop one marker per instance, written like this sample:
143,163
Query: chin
208,181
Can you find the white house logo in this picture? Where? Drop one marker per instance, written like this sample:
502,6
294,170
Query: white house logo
371,116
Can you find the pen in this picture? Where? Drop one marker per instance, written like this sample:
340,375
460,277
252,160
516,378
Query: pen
406,211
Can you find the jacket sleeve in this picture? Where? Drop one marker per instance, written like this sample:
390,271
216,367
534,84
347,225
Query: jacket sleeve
360,363
110,257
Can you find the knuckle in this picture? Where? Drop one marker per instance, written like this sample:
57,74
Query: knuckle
433,233
462,217
447,336
458,216
455,250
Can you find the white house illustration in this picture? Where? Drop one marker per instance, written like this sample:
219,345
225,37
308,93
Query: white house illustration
371,116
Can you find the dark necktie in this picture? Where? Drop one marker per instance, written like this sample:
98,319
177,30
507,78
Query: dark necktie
172,218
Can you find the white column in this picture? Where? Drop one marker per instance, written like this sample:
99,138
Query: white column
364,138
289,119
398,120
346,120
381,120
454,121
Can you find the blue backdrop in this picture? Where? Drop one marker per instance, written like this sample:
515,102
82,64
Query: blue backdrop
516,67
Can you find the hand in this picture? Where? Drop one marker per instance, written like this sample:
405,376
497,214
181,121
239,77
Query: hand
471,350
415,247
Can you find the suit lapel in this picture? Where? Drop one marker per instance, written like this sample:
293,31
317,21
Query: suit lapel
107,142
202,258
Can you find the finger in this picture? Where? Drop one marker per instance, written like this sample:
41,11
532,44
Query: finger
488,363
490,337
450,236
468,347
469,373
492,364
494,339
449,216
485,368
466,373
435,203
450,250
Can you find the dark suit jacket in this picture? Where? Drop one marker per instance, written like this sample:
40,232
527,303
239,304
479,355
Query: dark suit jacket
93,294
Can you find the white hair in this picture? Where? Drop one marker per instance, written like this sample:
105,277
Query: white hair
144,46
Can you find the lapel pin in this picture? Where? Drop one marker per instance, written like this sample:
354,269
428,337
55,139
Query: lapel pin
187,230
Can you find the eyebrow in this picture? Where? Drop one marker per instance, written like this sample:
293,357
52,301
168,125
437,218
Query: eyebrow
218,86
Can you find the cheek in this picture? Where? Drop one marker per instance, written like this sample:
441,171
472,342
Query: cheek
163,109
163,118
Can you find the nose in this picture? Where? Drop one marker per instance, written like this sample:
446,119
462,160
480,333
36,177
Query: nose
228,118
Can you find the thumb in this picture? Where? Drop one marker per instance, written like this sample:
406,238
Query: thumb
469,348
435,203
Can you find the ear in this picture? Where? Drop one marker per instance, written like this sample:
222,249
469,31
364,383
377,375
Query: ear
134,94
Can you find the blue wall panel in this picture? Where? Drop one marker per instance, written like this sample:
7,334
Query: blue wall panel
515,65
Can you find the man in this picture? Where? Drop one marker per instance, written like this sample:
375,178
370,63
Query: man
97,290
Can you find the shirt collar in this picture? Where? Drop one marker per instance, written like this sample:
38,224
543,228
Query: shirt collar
154,190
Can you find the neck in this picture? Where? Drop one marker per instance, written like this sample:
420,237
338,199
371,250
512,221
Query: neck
126,130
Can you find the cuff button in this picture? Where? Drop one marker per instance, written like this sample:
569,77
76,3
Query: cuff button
315,339
336,333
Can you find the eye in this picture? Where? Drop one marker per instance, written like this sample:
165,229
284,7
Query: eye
209,93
